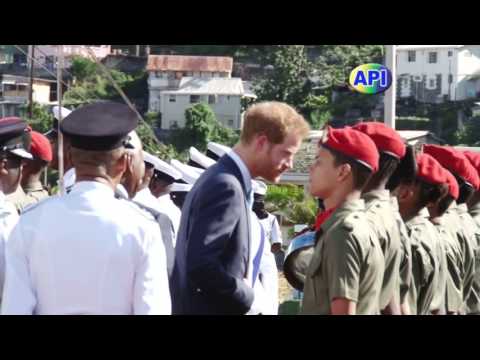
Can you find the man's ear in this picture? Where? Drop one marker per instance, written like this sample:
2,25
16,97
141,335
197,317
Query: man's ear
260,141
3,166
344,171
404,192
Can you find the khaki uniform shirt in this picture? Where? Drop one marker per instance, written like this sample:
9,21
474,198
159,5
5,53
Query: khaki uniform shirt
425,267
454,225
407,284
347,263
380,213
453,257
473,232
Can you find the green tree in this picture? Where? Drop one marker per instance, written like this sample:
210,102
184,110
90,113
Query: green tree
42,119
288,80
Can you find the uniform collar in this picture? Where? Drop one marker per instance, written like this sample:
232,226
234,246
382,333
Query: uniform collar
475,208
342,211
394,202
381,195
121,191
36,186
462,208
2,197
419,218
88,186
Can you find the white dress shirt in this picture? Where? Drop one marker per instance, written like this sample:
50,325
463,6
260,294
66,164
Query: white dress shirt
8,219
265,289
86,253
272,229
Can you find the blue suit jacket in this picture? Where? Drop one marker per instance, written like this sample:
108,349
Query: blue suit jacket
212,250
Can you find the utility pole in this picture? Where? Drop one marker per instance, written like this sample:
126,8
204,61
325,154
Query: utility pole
31,52
390,94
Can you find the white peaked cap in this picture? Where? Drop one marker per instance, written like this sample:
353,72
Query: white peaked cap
177,187
162,166
56,112
189,173
201,159
259,187
218,149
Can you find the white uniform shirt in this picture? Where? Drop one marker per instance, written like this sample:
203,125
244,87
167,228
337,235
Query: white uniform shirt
8,219
69,179
146,198
86,253
272,229
266,285
172,210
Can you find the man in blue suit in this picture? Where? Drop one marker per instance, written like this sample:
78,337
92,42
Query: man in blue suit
214,271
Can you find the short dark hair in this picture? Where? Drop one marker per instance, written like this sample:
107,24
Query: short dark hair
466,190
444,204
406,170
387,166
430,192
361,173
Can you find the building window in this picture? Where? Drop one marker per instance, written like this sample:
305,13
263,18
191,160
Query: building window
230,123
432,83
172,98
450,78
173,124
432,57
411,56
194,99
450,53
211,99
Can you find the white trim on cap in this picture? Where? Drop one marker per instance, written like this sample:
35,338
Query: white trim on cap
218,149
259,187
56,112
162,166
200,158
189,173
177,187
22,153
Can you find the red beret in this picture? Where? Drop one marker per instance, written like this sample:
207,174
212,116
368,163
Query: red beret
454,161
453,188
354,144
474,159
386,138
430,170
41,147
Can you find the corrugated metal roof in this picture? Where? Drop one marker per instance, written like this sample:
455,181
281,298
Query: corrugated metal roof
189,63
204,86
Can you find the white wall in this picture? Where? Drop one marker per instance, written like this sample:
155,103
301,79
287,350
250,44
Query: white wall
445,65
225,109
468,63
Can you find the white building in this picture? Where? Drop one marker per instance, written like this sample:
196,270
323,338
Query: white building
435,73
177,82
14,92
223,95
47,55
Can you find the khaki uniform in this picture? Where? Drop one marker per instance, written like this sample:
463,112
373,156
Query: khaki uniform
453,224
380,213
473,233
36,192
425,266
475,213
347,263
453,257
406,278
20,199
